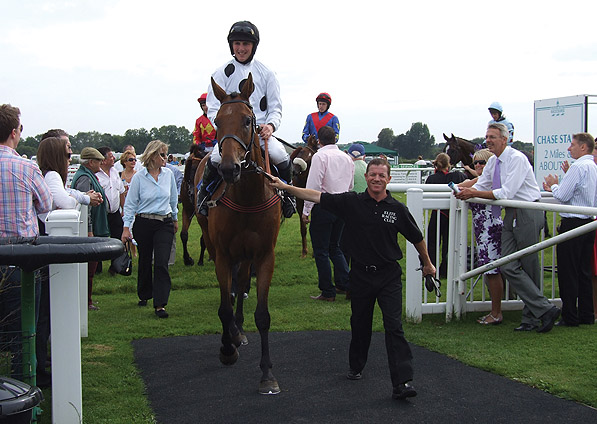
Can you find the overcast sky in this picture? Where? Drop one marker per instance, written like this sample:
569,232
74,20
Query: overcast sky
112,65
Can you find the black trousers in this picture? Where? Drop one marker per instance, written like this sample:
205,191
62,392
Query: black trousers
432,240
385,287
574,274
154,238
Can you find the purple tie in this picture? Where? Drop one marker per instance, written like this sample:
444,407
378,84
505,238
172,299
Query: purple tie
496,183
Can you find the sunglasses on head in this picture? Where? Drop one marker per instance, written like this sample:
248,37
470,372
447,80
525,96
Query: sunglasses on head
131,160
480,162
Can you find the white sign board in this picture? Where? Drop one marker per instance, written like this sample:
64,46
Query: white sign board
556,120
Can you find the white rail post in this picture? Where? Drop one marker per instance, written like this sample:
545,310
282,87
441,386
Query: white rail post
414,286
462,248
67,399
453,258
83,289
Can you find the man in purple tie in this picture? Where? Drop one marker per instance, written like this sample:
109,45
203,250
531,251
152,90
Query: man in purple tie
508,175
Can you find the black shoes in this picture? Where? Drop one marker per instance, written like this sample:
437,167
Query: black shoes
161,313
403,391
562,323
142,303
353,375
526,327
549,319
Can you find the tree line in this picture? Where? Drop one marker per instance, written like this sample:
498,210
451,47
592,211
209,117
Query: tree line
179,139
416,141
419,142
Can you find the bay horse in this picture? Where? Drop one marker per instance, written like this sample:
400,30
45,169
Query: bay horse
301,163
187,198
243,225
460,150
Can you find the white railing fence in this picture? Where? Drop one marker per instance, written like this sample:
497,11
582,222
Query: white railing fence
459,294
68,315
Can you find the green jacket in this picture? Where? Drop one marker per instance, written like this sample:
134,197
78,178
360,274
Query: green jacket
85,180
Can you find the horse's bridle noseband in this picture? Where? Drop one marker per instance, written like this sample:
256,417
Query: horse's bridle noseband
245,146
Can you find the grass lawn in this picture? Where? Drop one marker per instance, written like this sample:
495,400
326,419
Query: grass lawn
561,362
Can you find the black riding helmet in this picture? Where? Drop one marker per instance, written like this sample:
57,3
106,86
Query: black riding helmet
244,31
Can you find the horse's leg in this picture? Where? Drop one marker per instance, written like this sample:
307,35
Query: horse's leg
202,255
299,207
184,237
230,334
243,280
268,384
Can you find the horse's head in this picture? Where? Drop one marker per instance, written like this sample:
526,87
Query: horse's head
301,157
237,130
459,150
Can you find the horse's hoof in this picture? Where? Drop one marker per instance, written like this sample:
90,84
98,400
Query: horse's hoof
229,359
200,263
189,261
240,340
269,387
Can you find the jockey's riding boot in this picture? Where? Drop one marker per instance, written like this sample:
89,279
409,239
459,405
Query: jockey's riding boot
203,196
288,202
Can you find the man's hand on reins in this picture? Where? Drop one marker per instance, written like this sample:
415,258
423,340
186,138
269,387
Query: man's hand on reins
266,131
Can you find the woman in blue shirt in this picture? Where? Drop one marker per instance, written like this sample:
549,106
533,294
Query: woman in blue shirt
152,201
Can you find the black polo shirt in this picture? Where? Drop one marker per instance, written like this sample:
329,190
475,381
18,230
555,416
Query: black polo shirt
371,233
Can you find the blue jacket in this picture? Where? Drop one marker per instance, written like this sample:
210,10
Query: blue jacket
310,127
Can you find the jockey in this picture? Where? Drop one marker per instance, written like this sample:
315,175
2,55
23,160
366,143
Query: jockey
316,120
243,39
204,133
496,111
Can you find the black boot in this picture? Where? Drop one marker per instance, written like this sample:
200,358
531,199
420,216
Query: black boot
288,203
203,196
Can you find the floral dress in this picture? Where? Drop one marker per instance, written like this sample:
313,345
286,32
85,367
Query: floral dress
488,233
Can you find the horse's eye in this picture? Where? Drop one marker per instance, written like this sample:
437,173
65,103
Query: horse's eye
247,121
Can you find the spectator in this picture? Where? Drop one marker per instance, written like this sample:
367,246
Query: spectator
243,39
152,201
374,219
85,180
114,189
508,175
24,195
332,171
577,188
488,231
497,117
420,161
321,118
204,133
442,175
128,161
53,156
357,154
120,167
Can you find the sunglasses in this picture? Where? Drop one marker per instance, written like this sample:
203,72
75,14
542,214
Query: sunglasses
163,155
480,162
131,160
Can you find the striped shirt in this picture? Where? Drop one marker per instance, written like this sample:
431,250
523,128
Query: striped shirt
23,195
578,186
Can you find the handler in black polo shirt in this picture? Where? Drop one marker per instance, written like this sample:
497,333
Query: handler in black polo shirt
374,219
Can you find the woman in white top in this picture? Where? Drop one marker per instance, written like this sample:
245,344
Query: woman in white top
53,156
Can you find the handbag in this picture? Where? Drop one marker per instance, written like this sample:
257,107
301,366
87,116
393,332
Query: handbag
123,264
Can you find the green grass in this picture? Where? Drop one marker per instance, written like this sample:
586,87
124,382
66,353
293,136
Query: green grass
560,362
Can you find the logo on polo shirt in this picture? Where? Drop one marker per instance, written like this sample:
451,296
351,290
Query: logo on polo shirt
389,216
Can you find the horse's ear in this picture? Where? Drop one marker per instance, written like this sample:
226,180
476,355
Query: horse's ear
446,137
218,91
248,88
312,142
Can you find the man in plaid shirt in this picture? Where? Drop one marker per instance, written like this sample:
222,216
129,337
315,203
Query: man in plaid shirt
23,195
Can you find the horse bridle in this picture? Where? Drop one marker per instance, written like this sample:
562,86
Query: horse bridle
245,146
246,162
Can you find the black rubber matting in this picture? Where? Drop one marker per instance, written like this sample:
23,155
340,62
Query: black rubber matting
186,383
